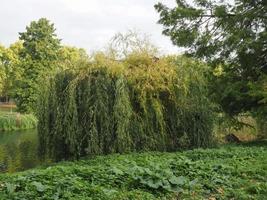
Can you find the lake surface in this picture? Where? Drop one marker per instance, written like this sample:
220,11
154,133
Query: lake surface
18,150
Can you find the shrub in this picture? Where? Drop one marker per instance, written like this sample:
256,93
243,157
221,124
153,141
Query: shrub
139,103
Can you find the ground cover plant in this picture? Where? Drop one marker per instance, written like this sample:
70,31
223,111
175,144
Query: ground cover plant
16,121
228,172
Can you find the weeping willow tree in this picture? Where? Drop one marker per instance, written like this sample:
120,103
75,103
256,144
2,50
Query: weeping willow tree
125,100
135,104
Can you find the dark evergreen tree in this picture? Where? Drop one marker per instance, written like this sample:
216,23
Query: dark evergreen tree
232,37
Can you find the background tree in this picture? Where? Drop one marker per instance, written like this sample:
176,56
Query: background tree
70,57
10,68
38,57
2,69
232,37
122,45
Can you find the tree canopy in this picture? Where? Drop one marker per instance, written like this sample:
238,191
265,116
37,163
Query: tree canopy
232,37
38,59
10,68
117,106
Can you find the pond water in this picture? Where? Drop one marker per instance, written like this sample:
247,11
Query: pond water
18,150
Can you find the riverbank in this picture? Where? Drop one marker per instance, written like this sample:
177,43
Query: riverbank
15,121
228,172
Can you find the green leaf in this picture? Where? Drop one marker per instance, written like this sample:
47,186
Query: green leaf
193,183
10,187
152,184
39,186
117,171
178,180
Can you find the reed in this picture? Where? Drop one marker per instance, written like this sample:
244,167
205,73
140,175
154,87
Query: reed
16,121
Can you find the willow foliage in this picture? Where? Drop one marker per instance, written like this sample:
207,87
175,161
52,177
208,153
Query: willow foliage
140,103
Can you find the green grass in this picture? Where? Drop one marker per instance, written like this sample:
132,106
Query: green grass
227,172
15,121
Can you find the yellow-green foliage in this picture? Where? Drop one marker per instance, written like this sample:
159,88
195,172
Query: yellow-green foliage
135,104
16,121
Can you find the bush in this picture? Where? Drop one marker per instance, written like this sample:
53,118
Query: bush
140,103
16,121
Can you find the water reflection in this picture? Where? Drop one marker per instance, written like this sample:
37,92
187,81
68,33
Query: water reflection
18,150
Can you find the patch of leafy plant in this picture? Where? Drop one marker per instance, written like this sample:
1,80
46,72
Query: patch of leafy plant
196,174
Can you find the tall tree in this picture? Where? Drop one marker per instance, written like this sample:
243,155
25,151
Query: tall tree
38,57
2,70
70,57
232,37
12,68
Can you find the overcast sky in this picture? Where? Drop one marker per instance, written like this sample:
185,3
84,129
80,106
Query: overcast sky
87,24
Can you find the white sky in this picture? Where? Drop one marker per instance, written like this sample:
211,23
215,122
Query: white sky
87,24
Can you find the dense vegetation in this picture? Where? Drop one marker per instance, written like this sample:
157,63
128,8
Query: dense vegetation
36,55
38,58
231,37
213,30
16,121
130,99
139,103
230,172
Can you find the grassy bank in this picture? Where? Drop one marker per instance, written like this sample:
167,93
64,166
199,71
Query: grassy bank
16,121
229,172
